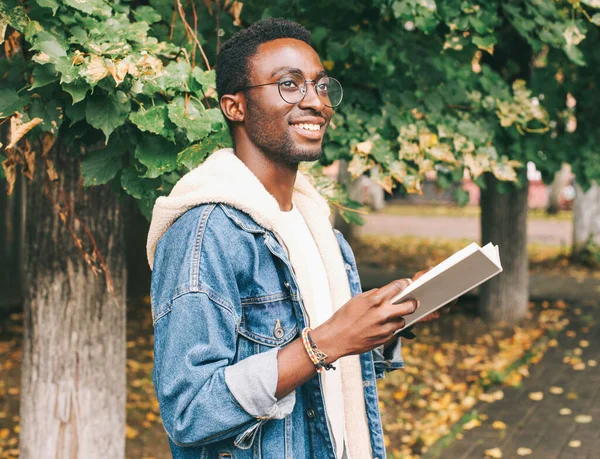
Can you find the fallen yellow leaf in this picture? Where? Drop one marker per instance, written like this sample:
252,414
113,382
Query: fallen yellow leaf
584,343
583,419
565,411
536,396
572,396
552,343
524,451
571,334
471,424
556,390
499,425
592,363
496,453
579,366
575,443
130,432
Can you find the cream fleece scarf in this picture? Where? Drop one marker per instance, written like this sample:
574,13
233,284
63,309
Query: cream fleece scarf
223,178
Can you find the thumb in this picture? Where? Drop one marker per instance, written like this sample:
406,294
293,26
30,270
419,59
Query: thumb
391,290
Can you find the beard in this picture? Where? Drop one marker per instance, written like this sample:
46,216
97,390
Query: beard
265,132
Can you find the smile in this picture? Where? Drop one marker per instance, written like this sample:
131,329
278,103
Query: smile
307,126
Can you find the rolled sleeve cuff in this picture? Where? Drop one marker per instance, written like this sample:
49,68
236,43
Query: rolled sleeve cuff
388,359
253,382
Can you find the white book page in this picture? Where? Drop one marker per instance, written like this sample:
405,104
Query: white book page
455,276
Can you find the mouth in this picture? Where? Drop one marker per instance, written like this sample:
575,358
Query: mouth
309,130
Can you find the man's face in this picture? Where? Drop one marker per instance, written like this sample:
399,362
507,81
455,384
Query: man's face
286,133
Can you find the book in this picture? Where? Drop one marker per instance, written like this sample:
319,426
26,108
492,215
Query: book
453,277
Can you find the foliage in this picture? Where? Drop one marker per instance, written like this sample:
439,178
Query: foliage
430,85
444,85
111,80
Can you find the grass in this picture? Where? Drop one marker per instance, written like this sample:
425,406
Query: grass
446,210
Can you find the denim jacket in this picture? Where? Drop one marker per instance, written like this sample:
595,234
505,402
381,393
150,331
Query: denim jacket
224,301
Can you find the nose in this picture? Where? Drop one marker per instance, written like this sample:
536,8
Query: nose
311,98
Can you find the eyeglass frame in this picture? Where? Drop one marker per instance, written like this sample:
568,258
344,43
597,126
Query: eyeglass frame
304,92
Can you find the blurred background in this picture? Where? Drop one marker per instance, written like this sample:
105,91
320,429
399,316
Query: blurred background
462,121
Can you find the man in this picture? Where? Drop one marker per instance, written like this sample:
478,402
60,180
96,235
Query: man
264,345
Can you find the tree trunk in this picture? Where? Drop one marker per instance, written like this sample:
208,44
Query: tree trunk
586,218
349,230
504,222
555,189
12,211
73,375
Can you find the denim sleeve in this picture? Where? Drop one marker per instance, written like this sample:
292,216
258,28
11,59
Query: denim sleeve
388,359
203,396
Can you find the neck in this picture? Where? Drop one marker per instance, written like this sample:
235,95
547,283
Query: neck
277,178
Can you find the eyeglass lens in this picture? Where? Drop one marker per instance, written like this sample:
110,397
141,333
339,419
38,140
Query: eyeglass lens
292,89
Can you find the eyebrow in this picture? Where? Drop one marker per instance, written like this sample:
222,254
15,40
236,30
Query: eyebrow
295,70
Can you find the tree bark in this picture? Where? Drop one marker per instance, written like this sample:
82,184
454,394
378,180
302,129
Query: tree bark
73,375
586,218
555,189
349,230
504,222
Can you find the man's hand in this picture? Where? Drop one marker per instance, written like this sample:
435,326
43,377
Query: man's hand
365,322
436,314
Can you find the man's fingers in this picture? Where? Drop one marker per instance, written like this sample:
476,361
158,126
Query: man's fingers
397,311
389,291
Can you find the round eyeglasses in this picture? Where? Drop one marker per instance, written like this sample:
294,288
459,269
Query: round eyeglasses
292,89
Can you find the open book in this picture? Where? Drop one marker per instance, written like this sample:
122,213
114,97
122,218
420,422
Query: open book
456,275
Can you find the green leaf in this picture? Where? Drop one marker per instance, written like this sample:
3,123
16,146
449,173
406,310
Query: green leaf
9,102
43,75
175,76
50,110
94,7
206,79
596,19
16,17
107,111
78,89
194,119
75,112
195,154
136,186
49,44
101,166
151,120
146,13
462,196
157,154
53,4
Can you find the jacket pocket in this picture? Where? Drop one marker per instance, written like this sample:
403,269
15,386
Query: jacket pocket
269,320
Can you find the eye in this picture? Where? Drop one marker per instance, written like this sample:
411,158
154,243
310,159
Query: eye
289,84
324,87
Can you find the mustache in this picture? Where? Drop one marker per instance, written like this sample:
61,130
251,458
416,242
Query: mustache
311,112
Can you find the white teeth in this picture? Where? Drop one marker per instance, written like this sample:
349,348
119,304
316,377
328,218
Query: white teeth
308,126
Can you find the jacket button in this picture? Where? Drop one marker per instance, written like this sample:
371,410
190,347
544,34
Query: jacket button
348,267
366,383
286,285
310,413
278,332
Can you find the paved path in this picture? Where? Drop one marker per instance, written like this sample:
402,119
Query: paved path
537,424
548,232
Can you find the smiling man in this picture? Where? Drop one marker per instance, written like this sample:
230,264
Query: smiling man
264,345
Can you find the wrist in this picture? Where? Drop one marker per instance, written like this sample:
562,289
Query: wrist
327,343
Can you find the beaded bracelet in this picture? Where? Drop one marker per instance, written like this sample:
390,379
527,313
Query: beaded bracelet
316,356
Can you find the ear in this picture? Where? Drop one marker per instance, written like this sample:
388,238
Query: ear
234,106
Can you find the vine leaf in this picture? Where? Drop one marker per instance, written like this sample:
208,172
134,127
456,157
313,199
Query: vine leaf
101,166
157,154
107,112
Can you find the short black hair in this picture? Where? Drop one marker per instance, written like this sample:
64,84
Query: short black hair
232,68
